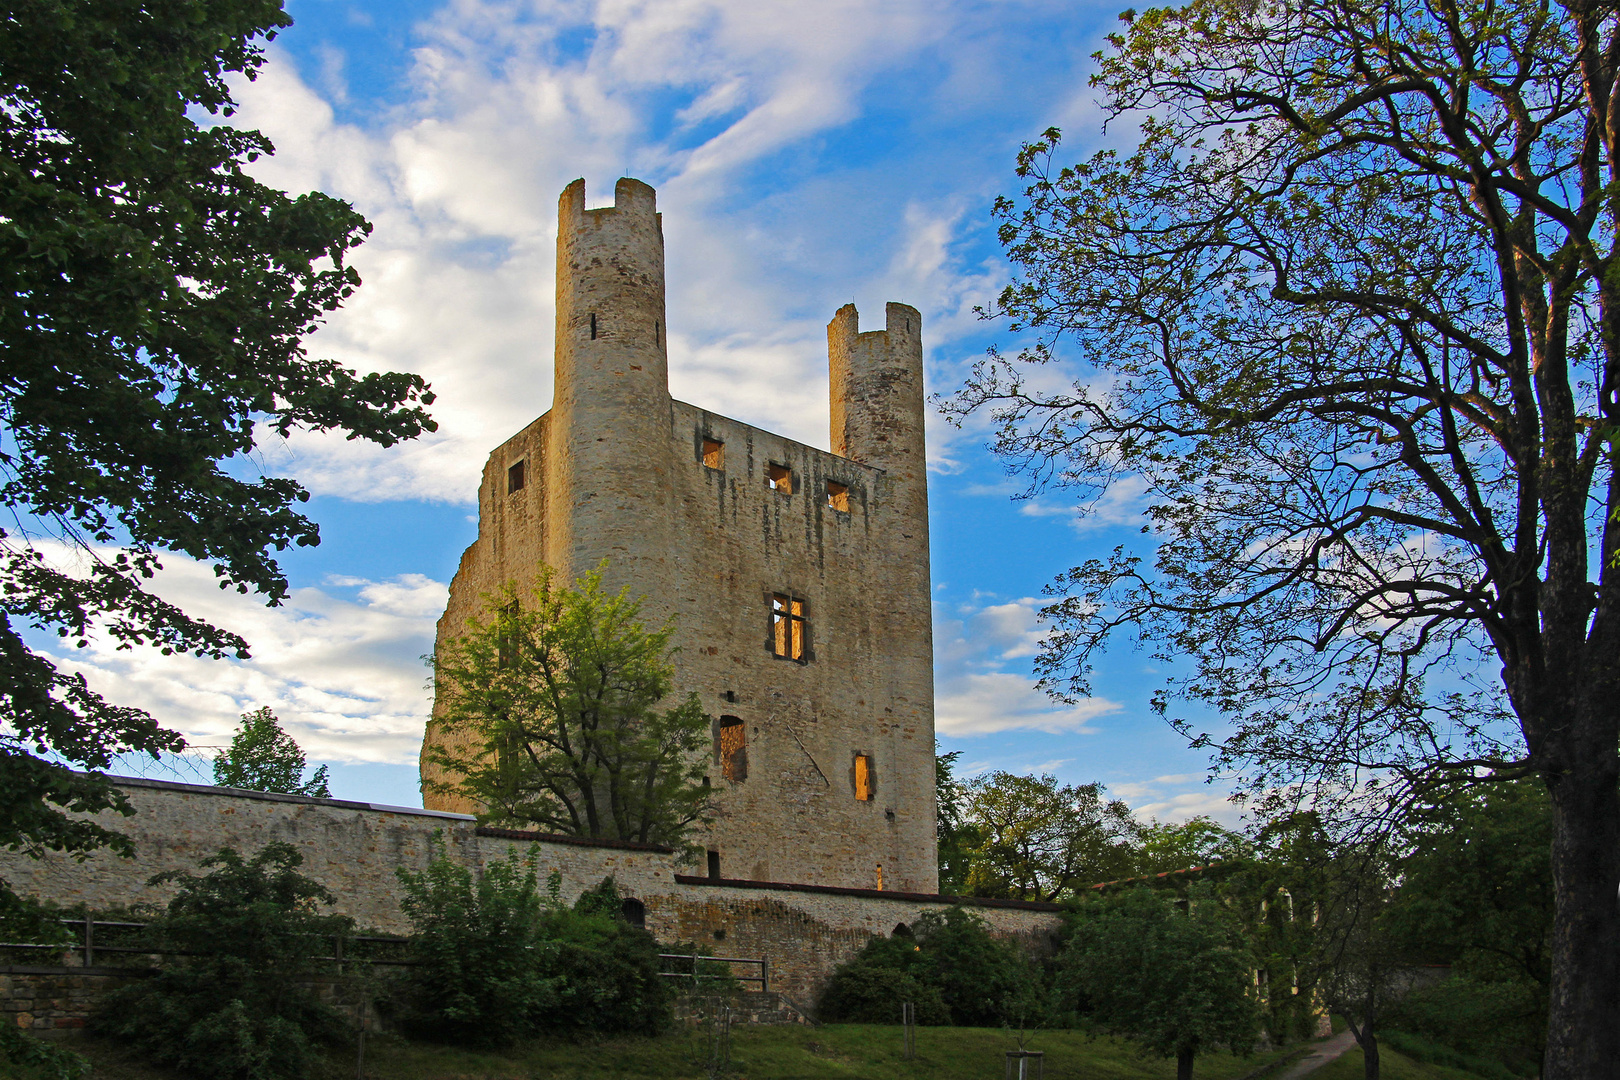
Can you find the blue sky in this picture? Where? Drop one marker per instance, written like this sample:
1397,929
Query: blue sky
806,154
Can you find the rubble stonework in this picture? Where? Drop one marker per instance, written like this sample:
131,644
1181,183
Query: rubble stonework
802,932
616,470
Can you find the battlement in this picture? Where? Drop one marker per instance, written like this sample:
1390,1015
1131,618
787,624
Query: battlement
631,199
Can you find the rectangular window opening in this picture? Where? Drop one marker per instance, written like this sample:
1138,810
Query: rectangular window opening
714,453
779,478
515,478
788,636
838,496
863,778
714,865
733,749
593,326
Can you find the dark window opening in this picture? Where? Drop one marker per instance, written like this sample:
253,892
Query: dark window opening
902,930
714,453
788,636
515,477
863,778
779,478
731,696
593,326
655,332
838,496
706,784
634,911
719,935
733,746
714,865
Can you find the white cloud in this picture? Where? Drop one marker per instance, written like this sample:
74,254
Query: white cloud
975,695
342,674
509,101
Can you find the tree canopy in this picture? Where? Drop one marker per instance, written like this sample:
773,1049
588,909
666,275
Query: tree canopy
1037,839
153,303
550,700
263,757
1349,311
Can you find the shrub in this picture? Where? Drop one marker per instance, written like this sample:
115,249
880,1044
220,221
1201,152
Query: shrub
951,967
478,976
234,999
499,960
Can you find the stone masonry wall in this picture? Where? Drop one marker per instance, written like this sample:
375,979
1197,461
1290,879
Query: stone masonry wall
803,932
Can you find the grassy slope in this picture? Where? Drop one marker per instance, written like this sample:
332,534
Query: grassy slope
1391,1066
833,1052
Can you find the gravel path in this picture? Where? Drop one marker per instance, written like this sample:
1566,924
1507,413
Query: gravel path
1326,1051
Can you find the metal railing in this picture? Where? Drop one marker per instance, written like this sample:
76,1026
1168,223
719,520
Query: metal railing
763,978
87,947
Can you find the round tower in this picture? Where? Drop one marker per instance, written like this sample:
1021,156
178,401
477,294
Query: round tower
608,483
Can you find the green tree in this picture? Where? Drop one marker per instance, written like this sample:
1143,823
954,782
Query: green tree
1174,977
1163,848
262,757
955,836
550,700
234,998
152,301
1039,840
1348,311
1476,894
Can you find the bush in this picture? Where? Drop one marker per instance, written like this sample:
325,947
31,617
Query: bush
234,999
499,960
950,967
1493,1028
25,1057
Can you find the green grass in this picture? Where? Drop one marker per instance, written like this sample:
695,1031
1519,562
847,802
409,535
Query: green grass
832,1052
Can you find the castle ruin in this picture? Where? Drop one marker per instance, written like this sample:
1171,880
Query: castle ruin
798,578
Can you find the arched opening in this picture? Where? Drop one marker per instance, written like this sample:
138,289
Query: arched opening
634,912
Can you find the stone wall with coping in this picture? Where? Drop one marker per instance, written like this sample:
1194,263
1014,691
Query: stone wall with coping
354,848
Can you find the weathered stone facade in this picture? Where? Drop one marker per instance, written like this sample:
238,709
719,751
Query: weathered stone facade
802,932
711,519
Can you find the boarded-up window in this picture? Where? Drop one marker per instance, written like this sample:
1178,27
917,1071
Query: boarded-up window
838,496
714,453
779,478
788,627
863,778
733,749
514,478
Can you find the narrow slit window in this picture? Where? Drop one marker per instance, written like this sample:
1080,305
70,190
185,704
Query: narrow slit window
515,478
838,496
593,326
655,333
714,865
714,453
733,749
788,637
863,778
779,478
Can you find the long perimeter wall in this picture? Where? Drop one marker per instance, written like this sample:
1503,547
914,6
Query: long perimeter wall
354,849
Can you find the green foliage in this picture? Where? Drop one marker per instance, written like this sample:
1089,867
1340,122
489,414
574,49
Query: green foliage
1493,1028
1172,976
957,971
956,836
1164,848
24,1056
233,998
499,960
152,300
1039,840
262,757
553,698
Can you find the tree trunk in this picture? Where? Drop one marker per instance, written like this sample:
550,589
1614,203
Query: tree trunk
1583,1027
1369,1056
1184,1060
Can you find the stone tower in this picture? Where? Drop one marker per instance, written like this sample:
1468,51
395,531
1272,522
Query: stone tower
798,578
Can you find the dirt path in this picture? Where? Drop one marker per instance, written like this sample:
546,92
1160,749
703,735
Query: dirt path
1326,1051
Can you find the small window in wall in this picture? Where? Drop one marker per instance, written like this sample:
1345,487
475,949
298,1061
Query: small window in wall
593,326
515,477
863,777
634,911
779,478
788,636
838,496
714,453
714,865
733,749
